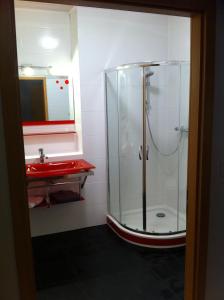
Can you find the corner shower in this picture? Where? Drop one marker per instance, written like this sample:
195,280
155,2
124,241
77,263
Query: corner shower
147,137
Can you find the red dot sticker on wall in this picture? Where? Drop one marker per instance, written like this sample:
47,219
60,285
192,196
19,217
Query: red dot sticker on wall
66,81
61,87
57,81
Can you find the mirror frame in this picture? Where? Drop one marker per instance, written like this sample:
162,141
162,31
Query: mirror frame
48,122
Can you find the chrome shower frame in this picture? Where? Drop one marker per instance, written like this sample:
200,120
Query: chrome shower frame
144,148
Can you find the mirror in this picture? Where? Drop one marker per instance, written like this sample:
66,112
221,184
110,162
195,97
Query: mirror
46,99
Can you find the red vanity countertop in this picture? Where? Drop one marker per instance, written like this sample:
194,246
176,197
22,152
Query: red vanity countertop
58,168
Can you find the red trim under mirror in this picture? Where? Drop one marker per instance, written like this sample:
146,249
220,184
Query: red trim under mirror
44,123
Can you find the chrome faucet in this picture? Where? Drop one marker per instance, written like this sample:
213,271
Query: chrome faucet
42,155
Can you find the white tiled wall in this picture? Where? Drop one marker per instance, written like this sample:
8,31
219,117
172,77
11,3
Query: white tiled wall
164,174
179,49
31,26
106,38
114,37
178,38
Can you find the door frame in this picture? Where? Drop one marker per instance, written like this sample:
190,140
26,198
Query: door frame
202,15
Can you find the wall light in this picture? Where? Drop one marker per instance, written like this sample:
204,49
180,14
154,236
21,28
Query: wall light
48,42
28,71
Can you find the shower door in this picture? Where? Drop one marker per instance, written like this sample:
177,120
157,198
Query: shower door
167,101
130,112
125,135
112,144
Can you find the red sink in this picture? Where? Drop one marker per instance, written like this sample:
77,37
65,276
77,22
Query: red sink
58,168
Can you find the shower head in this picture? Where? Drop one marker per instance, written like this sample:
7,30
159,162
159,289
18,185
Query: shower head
149,74
147,77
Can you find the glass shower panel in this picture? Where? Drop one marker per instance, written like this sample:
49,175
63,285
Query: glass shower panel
130,109
112,140
163,137
183,149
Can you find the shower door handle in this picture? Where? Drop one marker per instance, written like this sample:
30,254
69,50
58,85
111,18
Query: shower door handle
140,152
147,152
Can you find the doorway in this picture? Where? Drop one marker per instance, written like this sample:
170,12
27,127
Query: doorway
195,84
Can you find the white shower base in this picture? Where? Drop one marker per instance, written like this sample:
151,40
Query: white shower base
171,223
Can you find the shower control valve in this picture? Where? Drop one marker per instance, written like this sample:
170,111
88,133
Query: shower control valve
181,129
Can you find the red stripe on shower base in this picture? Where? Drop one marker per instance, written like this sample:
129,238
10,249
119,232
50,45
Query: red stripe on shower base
147,240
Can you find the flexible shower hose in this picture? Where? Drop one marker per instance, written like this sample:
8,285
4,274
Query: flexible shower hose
153,140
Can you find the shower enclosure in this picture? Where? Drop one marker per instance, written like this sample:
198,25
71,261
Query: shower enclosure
147,137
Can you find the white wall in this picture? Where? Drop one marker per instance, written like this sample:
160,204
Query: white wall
34,24
106,38
178,38
31,26
166,175
172,106
179,49
115,38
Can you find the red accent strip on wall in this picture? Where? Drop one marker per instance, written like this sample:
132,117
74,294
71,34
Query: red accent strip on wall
42,123
146,241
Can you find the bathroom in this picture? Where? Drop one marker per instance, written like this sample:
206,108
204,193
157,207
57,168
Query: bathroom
135,173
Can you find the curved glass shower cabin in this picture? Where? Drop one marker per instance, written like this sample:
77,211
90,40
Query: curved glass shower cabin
147,135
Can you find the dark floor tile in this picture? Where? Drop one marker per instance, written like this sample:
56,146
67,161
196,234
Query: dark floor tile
94,264
74,291
123,286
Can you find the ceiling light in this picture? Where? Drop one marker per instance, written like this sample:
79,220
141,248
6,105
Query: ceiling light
48,42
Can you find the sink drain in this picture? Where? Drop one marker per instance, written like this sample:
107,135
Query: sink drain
160,215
